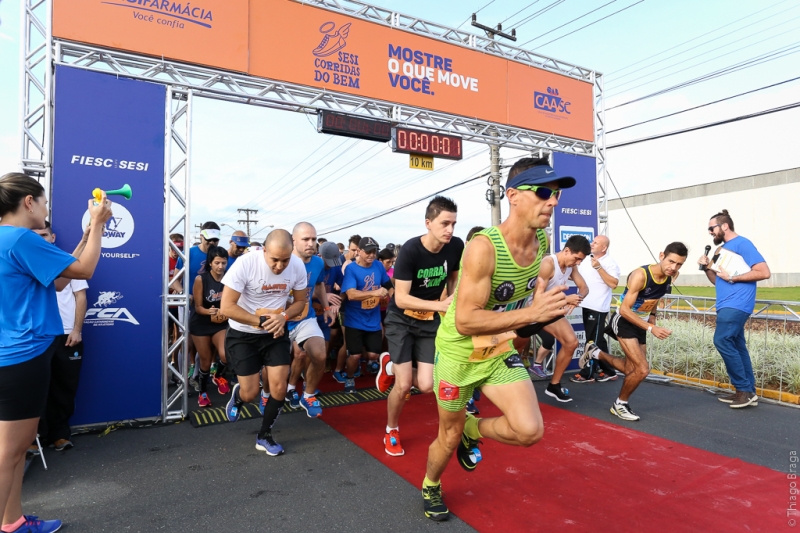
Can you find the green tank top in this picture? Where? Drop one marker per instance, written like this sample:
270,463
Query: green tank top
512,288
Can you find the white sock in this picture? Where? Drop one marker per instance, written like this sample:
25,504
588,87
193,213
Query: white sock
620,402
307,395
388,429
389,366
264,394
290,387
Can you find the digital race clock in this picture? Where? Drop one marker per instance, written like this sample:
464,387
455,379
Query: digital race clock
352,126
409,141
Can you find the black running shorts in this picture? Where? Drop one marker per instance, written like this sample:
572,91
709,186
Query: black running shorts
248,352
410,339
618,327
23,387
357,340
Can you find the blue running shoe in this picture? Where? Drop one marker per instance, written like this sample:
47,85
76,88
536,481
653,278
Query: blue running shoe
350,385
262,404
373,367
339,376
292,398
231,409
358,371
312,406
268,444
472,408
34,525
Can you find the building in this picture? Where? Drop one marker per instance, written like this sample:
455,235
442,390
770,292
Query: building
761,207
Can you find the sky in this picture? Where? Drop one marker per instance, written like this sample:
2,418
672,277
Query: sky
280,165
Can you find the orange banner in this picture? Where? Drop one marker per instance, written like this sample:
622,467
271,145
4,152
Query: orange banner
289,41
204,32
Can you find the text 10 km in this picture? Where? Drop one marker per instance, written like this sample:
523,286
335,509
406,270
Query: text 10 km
410,141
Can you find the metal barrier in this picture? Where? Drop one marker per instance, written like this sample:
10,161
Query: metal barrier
689,355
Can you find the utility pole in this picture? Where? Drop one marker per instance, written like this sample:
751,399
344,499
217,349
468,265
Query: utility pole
495,193
491,32
248,221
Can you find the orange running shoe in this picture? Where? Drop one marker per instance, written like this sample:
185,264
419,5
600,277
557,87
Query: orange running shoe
221,383
384,380
203,400
391,442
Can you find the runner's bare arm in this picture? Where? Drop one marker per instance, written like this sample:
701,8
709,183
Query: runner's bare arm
198,304
635,283
473,293
357,295
298,304
229,306
583,288
404,300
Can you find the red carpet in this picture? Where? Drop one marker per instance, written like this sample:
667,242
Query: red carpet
585,475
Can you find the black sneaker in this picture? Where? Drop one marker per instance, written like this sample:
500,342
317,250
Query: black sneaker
558,392
468,453
434,506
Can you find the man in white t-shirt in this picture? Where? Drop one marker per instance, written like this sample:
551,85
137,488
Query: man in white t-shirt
257,288
602,276
65,367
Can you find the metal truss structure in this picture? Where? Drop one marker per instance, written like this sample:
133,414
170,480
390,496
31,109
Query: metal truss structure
41,52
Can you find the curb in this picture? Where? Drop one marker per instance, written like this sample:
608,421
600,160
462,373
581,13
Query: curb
765,393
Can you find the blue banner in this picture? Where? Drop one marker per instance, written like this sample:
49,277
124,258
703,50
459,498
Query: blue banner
109,131
576,214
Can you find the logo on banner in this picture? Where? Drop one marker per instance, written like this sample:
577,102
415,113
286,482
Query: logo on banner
342,68
551,102
119,228
565,232
177,13
102,315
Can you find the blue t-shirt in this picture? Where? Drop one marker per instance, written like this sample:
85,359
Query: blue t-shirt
314,271
231,261
366,314
197,264
28,307
330,277
739,295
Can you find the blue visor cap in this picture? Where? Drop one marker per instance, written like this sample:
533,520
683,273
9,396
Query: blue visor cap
239,240
540,175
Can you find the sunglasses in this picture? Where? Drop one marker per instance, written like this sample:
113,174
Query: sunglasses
711,228
545,193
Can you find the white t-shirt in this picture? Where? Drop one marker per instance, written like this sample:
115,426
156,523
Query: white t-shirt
66,303
599,297
559,277
260,287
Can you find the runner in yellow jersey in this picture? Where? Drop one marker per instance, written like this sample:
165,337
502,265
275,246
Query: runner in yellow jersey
473,343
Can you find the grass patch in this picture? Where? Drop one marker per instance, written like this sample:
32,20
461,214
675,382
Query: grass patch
786,294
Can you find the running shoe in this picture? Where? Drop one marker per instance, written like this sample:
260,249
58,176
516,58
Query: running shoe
384,380
350,385
231,409
292,398
33,450
339,376
391,443
586,355
602,377
358,371
373,367
312,406
213,369
268,444
62,444
558,392
472,408
34,525
221,383
624,411
577,378
434,506
203,401
468,453
262,404
194,383
537,371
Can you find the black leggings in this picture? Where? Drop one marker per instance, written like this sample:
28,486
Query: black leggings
594,324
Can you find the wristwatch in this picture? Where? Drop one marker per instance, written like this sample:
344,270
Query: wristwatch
650,329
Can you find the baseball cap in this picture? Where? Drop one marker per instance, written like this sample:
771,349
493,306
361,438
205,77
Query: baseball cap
367,244
240,240
210,234
540,175
329,252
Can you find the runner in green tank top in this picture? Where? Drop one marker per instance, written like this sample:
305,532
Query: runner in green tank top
473,348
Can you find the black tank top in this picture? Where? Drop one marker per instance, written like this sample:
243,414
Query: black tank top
650,293
212,291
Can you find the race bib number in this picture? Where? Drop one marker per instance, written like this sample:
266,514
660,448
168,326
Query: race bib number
488,346
370,303
419,315
219,318
646,307
302,314
263,311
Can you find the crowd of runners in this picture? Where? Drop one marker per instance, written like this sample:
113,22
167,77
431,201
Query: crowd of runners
269,320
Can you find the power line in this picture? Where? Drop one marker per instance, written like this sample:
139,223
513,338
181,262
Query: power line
709,125
763,58
478,11
703,105
590,24
695,38
521,10
567,23
542,11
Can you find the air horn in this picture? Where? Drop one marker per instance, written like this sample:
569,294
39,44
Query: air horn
125,192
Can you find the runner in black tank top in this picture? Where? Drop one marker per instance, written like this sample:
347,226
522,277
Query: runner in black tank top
207,325
636,317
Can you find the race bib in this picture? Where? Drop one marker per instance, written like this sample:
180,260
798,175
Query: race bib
646,307
219,318
302,314
488,346
419,315
263,311
370,303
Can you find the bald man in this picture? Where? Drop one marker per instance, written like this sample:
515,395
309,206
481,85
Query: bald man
256,291
602,276
239,243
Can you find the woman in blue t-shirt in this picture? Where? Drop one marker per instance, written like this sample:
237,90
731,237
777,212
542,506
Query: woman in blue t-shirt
29,267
